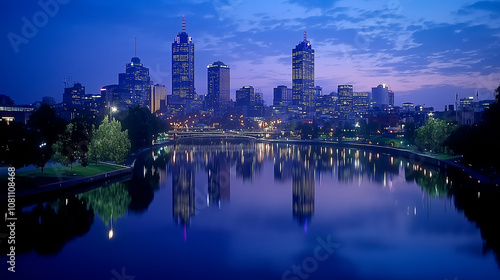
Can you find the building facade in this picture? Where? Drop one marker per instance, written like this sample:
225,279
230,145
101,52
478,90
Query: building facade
183,66
134,84
158,98
345,100
380,96
303,77
282,96
218,86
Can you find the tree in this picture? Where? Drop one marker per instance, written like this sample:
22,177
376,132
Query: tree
433,134
65,149
109,142
479,143
142,127
44,129
16,147
409,131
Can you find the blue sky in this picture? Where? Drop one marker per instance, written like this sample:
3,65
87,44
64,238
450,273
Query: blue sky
424,50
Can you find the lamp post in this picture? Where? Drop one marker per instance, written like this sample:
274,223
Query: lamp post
111,110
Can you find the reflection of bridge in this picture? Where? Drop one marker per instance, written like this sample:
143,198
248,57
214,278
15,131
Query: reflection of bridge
178,135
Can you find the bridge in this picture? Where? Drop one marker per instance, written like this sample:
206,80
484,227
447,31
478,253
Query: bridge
183,135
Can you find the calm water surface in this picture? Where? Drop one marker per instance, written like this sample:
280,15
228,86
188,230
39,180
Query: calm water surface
247,210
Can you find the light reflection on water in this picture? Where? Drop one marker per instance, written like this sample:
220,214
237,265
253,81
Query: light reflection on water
247,210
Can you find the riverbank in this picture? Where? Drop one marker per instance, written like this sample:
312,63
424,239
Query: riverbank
442,164
56,180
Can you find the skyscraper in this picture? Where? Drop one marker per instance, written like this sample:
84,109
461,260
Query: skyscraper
360,102
303,76
134,84
183,65
345,100
73,100
391,98
282,96
380,96
245,96
218,86
158,97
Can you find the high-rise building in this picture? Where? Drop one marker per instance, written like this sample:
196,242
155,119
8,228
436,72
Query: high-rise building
360,102
391,98
380,96
158,97
303,76
218,86
73,96
134,84
345,100
245,96
282,96
183,65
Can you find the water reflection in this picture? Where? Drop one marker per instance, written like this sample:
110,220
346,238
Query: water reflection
203,173
48,226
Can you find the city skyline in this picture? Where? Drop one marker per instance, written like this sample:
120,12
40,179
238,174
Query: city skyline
425,57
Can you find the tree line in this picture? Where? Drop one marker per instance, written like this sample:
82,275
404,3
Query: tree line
84,139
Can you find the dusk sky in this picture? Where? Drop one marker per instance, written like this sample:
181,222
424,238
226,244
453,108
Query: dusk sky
424,50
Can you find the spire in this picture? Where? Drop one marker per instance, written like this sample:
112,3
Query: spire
305,35
183,23
135,53
477,93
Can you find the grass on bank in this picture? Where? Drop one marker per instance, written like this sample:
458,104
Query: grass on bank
65,171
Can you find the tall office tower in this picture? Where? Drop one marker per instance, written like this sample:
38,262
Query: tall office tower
73,101
380,96
73,96
158,97
282,96
183,66
345,100
134,84
303,76
218,86
360,102
245,96
391,98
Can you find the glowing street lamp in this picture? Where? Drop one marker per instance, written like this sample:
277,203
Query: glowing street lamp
111,110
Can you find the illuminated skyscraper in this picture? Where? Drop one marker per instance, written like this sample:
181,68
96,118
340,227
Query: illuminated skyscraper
380,96
218,86
134,84
303,76
345,100
183,65
158,97
245,96
73,101
360,102
282,96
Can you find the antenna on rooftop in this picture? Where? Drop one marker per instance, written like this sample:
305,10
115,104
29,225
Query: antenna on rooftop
135,46
183,23
305,35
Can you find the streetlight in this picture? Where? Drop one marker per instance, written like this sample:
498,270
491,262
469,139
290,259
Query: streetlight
111,110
